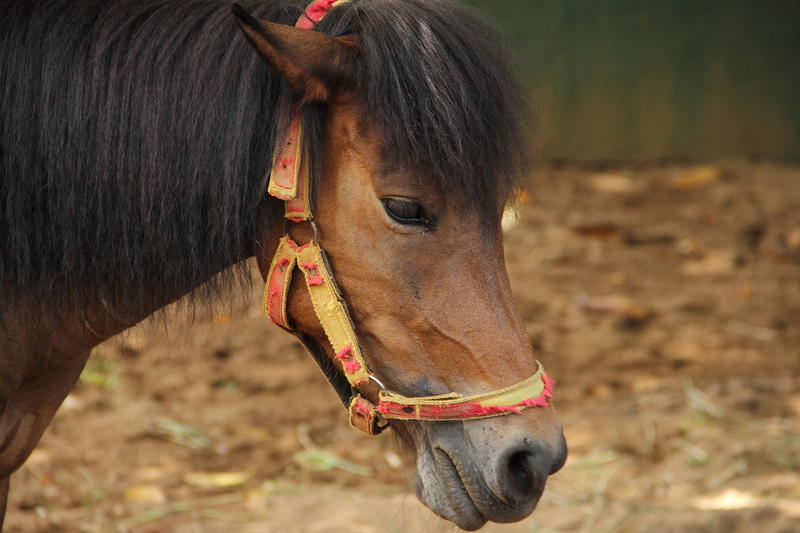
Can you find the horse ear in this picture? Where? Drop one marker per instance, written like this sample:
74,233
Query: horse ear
316,65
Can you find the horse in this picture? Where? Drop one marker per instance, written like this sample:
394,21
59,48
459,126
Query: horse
138,145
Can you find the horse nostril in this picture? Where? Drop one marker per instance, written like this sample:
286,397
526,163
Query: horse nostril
524,480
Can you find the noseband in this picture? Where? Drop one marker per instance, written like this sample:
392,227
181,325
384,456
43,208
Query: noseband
290,181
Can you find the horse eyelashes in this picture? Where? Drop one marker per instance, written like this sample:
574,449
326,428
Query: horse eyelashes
405,211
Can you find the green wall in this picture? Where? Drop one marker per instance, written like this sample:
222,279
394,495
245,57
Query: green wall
620,79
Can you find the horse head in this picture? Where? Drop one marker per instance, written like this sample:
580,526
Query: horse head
418,254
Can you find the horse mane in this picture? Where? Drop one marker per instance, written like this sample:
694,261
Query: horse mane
136,135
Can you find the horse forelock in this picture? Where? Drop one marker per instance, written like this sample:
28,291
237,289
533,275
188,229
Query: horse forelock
436,82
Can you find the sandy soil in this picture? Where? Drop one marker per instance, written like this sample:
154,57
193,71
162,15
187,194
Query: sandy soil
665,301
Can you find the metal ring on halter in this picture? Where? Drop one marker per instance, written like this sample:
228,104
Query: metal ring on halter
377,382
313,227
286,223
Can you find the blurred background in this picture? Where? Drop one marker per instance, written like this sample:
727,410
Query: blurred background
655,259
620,80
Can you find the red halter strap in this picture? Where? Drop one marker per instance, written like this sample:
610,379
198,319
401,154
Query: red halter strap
290,181
315,12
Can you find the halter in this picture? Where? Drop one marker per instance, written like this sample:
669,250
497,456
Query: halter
290,181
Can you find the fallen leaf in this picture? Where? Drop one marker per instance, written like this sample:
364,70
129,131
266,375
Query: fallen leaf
750,331
684,351
689,247
315,458
216,479
612,183
695,177
151,473
145,494
727,500
100,372
321,460
700,401
179,433
713,263
696,455
616,305
595,231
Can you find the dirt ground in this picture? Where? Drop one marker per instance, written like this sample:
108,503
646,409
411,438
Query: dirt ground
664,300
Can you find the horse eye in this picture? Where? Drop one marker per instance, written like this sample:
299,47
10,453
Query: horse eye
405,211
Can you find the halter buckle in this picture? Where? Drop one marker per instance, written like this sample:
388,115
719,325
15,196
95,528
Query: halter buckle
365,416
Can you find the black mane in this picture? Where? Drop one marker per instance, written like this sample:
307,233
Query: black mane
136,135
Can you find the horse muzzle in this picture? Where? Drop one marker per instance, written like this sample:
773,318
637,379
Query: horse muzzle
479,471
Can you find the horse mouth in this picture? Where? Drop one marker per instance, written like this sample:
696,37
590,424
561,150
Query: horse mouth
470,488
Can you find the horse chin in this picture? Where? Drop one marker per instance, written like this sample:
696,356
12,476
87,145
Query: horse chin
440,487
